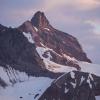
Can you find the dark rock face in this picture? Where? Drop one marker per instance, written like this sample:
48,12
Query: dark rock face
39,20
63,43
3,28
2,83
16,51
19,54
73,86
97,85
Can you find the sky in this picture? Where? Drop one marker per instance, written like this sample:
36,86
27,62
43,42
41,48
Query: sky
80,18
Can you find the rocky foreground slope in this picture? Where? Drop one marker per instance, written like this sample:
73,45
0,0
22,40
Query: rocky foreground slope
47,64
73,86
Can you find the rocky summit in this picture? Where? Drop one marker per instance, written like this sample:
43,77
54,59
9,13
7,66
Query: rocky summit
46,63
62,43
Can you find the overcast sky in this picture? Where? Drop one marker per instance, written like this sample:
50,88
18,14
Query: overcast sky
80,18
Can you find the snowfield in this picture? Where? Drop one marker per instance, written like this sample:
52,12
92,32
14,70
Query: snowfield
28,90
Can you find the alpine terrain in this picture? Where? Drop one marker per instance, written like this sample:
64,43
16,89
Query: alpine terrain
39,62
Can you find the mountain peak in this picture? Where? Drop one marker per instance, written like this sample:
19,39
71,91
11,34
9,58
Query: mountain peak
62,43
39,19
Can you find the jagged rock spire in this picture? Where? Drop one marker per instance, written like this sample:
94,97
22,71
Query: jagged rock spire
39,20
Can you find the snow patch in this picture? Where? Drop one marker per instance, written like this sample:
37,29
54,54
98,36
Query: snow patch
35,29
88,81
40,51
90,76
73,84
29,37
72,74
47,29
66,90
82,79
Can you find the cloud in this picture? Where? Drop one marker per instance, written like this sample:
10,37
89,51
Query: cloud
76,4
96,26
87,4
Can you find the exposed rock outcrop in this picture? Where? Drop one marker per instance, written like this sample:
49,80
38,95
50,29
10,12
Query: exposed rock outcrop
16,51
74,85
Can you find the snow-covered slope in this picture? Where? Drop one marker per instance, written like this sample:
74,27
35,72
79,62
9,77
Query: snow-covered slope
54,67
31,89
11,76
20,85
